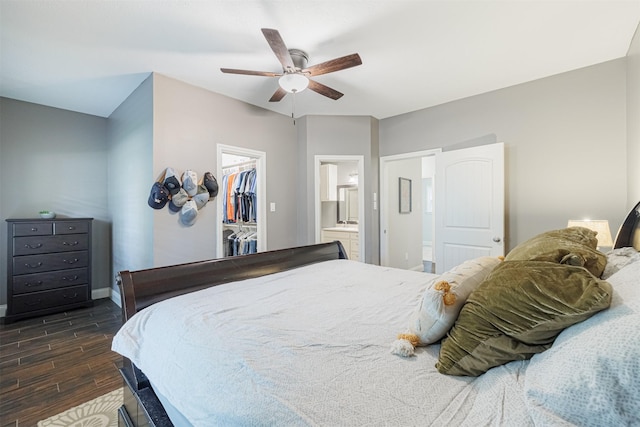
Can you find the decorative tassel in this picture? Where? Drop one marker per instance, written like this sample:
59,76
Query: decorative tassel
447,297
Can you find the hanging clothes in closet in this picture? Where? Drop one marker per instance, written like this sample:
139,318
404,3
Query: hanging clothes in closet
241,242
239,208
239,197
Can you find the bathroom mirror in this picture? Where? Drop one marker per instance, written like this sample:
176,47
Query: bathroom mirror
347,204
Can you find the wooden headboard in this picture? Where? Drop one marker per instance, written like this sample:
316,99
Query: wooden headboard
629,233
142,288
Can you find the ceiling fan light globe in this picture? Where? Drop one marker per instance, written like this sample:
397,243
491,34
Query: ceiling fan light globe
293,83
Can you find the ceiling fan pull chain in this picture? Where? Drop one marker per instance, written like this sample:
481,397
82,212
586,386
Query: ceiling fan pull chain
293,109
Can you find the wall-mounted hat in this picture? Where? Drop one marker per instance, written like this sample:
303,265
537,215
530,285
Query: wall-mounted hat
158,196
211,183
190,182
171,181
178,200
202,197
189,213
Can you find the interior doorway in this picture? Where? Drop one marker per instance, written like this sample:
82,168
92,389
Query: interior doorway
428,177
407,235
234,160
339,202
467,209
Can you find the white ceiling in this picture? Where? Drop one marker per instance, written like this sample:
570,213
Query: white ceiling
89,55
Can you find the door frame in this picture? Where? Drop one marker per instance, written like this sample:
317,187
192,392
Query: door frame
325,158
261,193
384,196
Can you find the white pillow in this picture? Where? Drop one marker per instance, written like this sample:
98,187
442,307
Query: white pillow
591,374
433,318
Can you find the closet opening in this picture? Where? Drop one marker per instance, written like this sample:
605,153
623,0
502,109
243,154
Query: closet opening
241,220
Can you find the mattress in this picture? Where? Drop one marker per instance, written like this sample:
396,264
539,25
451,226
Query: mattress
310,346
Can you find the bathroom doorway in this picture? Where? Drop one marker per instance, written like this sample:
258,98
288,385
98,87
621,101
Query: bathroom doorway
339,202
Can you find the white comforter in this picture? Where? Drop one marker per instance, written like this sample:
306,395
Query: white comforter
310,347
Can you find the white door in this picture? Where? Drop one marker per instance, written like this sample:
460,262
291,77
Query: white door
469,205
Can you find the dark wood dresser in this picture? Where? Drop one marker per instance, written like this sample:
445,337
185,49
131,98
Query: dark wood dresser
48,266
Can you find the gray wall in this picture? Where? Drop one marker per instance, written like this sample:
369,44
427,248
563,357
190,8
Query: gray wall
188,123
404,236
565,140
56,160
344,135
633,121
130,134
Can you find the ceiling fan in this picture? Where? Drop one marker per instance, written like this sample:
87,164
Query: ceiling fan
295,75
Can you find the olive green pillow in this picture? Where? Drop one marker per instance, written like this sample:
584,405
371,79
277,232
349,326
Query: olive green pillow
517,312
573,246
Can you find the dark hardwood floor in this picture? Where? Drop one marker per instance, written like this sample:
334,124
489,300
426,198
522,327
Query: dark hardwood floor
52,363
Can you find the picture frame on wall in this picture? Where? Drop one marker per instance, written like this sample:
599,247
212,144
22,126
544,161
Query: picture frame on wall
404,191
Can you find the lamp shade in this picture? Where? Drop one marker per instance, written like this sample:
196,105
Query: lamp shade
600,226
293,83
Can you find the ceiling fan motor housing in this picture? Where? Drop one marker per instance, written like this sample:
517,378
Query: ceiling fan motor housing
299,58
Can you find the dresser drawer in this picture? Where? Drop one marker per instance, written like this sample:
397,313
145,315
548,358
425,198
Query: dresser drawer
70,227
39,263
33,229
49,280
54,298
32,245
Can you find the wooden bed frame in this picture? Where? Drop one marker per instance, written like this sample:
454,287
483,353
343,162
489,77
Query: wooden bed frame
140,289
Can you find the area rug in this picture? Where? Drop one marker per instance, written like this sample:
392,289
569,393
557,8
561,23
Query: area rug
99,412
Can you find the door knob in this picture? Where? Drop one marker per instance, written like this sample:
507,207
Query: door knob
496,239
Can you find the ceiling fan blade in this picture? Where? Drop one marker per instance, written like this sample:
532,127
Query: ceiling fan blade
250,72
278,95
279,48
324,90
337,64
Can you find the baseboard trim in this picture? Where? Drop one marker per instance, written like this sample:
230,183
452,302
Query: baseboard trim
110,293
115,297
100,293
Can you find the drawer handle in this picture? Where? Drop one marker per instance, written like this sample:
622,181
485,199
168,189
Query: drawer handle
33,265
71,227
34,228
72,261
28,246
38,283
33,304
71,297
70,279
70,244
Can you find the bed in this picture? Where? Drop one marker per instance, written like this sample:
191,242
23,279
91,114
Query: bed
304,336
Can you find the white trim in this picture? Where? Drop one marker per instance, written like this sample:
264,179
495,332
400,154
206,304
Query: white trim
384,194
115,297
100,293
362,187
261,170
